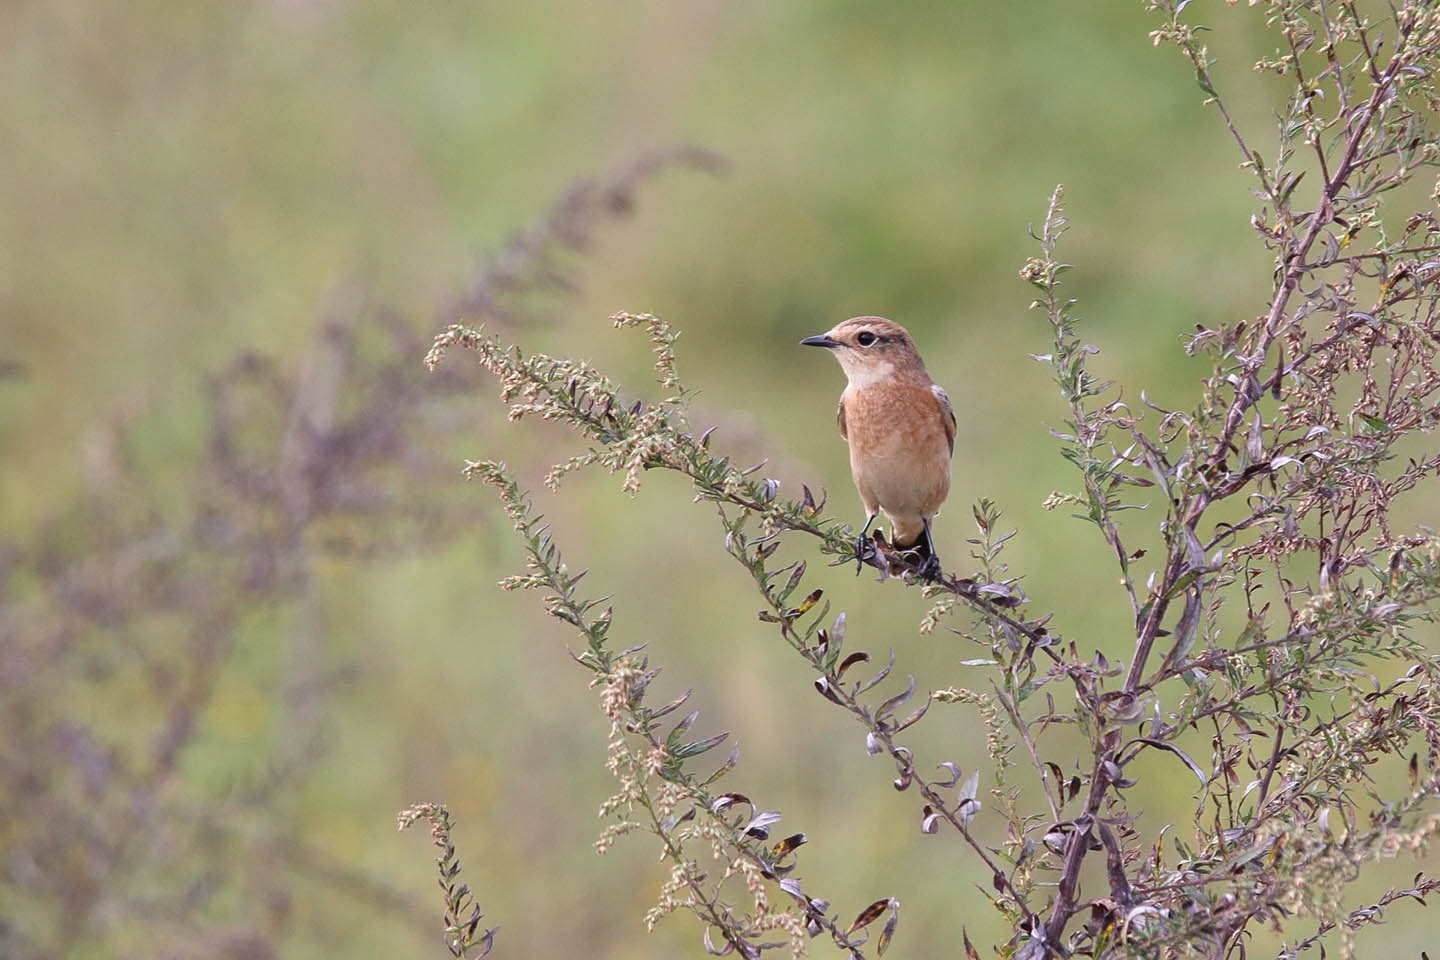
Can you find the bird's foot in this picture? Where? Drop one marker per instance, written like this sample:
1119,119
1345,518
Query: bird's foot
859,553
929,570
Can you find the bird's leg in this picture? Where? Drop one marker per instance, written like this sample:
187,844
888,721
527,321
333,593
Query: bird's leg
930,567
860,543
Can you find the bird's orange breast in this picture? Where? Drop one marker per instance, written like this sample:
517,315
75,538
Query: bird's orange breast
899,448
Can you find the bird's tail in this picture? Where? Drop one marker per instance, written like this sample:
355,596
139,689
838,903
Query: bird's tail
919,542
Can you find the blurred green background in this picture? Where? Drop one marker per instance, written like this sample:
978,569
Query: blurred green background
207,761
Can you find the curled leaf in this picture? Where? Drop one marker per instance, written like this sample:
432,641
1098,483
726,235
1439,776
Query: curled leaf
710,946
895,701
822,685
859,656
787,846
718,805
967,810
759,825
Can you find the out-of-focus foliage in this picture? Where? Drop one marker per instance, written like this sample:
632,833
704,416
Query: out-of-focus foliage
246,611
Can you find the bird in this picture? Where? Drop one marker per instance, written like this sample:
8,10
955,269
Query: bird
900,427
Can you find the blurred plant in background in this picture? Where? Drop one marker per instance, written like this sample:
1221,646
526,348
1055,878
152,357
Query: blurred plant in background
1275,626
126,597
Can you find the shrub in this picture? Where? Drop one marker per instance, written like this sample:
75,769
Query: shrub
1275,603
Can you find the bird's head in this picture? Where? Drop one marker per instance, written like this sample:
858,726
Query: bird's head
869,348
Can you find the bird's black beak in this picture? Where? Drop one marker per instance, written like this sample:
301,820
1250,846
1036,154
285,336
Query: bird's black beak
820,341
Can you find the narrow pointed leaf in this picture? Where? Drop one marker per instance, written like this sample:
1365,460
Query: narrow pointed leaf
878,677
1162,745
725,768
869,915
889,932
696,747
895,701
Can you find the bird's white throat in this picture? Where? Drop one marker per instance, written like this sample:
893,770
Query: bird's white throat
862,375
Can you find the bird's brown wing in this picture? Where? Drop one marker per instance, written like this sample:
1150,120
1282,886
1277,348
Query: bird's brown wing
946,411
840,418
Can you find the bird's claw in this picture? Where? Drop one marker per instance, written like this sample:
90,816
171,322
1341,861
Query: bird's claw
929,570
859,554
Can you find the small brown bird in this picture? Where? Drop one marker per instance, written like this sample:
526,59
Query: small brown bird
900,428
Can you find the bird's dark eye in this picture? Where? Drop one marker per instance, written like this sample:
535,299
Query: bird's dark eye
865,339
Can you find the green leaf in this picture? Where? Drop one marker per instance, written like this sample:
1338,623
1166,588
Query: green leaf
1374,423
697,747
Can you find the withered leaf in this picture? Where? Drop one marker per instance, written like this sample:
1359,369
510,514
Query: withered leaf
725,768
914,717
1058,774
809,602
795,577
895,701
822,686
669,823
1253,439
1186,629
878,677
889,932
710,946
970,951
787,846
869,915
726,799
859,656
1000,595
759,825
1162,745
671,706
